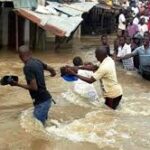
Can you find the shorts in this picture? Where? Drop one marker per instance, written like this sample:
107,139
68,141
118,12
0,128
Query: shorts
113,102
41,111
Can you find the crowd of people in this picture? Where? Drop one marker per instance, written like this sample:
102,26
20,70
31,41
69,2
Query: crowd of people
133,36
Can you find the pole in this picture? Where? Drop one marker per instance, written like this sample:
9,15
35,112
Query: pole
17,42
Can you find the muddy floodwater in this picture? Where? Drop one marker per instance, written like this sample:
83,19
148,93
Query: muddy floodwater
74,123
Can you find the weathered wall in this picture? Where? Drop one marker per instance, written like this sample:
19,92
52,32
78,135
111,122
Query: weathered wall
4,26
8,28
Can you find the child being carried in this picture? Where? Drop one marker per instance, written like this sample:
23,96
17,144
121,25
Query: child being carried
82,88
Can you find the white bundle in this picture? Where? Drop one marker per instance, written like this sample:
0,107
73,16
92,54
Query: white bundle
84,89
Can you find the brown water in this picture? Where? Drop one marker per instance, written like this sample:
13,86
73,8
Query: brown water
78,124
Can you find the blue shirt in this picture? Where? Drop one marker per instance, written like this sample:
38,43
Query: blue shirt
141,51
144,56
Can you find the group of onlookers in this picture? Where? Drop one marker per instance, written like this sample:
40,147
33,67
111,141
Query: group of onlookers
133,37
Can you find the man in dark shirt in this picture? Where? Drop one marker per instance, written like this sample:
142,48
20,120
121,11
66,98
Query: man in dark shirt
34,74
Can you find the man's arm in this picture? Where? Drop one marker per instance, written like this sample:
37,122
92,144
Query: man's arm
125,57
50,69
31,86
128,56
90,67
30,78
134,53
88,80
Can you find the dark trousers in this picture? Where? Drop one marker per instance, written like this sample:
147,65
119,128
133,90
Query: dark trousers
113,102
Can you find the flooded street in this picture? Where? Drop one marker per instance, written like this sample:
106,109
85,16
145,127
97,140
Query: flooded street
73,123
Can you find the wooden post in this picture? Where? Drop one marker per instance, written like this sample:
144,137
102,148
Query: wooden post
102,21
1,25
17,40
33,35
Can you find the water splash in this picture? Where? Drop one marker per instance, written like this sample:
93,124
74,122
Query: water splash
76,99
92,129
30,124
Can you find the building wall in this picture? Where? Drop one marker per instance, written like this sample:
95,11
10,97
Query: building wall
0,28
27,33
4,27
8,29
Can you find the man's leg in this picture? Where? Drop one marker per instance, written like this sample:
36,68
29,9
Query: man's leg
116,102
41,111
113,102
108,102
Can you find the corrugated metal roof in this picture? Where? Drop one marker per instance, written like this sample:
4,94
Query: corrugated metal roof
25,3
74,9
22,3
103,6
6,0
61,26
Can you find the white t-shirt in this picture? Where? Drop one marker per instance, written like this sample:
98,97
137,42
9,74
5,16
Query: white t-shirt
122,51
136,21
84,89
135,10
122,19
143,28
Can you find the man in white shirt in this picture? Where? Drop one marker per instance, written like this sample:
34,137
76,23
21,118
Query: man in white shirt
106,74
122,22
142,50
124,49
142,27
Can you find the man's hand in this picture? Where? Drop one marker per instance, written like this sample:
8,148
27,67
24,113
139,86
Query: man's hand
53,73
88,63
71,71
32,86
90,67
51,70
13,83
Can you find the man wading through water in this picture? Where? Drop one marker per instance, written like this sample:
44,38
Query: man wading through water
34,74
106,73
